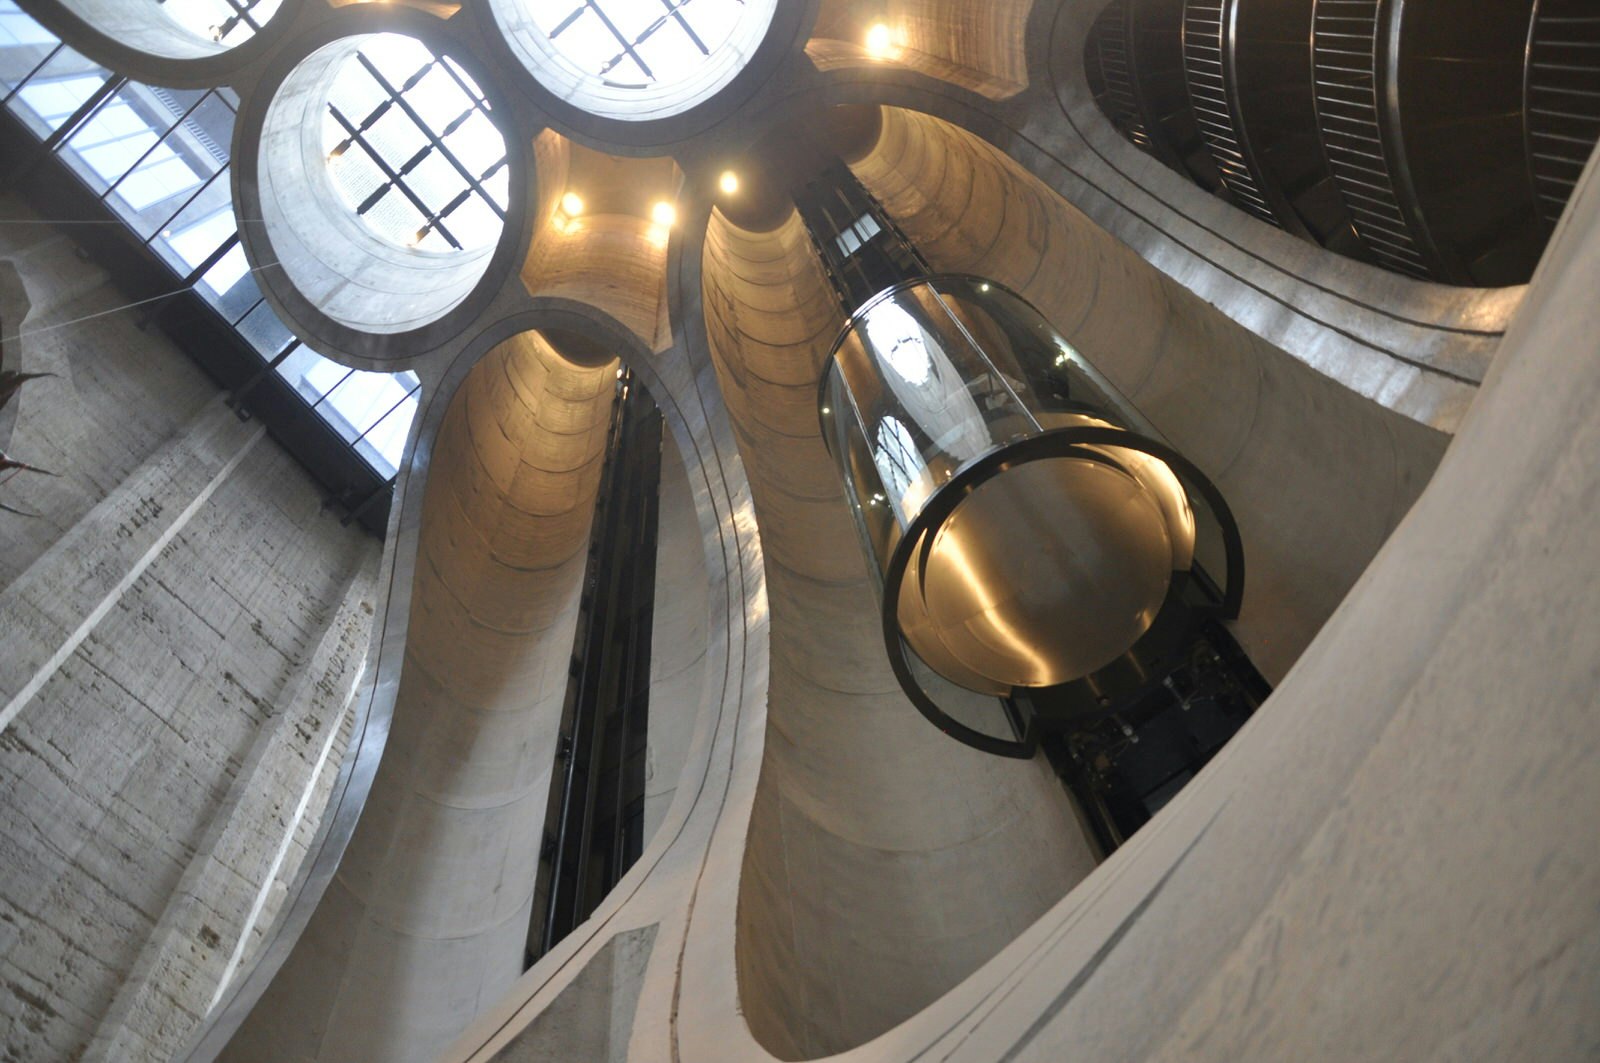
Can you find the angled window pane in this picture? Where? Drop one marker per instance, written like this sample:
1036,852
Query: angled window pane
58,89
362,399
198,230
229,285
310,374
24,44
124,131
265,331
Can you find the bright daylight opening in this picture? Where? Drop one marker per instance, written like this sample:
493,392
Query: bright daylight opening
635,59
227,22
412,148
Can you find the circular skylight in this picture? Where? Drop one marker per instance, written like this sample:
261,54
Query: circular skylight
635,60
412,149
227,22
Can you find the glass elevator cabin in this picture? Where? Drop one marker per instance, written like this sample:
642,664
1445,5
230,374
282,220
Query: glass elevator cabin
1052,572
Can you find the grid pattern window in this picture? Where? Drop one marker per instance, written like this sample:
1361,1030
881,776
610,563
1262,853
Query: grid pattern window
227,22
158,159
413,150
638,43
372,411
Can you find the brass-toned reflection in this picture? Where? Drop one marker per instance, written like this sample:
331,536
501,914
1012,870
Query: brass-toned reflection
1045,573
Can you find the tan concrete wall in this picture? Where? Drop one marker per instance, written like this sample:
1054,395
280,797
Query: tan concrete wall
853,914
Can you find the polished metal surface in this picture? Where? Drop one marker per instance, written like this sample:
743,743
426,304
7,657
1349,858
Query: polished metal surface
1048,571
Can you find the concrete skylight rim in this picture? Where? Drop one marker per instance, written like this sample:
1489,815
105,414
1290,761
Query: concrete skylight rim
561,75
358,297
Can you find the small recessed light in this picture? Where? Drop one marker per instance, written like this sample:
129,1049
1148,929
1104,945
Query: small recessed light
729,183
571,204
664,214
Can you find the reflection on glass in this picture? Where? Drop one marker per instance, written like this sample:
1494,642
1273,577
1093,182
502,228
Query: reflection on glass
24,45
1035,573
56,90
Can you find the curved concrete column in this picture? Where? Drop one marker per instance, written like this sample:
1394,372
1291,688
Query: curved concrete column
1317,475
429,913
976,46
1383,864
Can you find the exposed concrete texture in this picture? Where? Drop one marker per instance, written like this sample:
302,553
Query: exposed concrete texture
1388,862
852,912
428,918
593,1019
119,392
1317,475
52,607
171,589
677,639
173,984
111,773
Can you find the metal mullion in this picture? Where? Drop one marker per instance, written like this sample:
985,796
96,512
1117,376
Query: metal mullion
398,98
64,132
356,137
676,12
242,392
379,420
29,76
324,398
627,48
162,139
211,260
235,322
196,194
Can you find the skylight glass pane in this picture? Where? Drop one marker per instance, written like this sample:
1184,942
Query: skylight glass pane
311,375
438,98
229,285
406,140
384,445
639,42
57,90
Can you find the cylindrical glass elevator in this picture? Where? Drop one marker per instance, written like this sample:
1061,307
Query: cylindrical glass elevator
1039,549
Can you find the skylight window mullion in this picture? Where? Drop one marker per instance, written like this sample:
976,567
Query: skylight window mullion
394,180
627,46
397,98
162,228
160,140
376,421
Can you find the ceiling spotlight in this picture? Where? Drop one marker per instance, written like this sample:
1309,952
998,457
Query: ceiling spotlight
880,41
729,183
571,205
664,214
